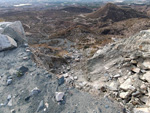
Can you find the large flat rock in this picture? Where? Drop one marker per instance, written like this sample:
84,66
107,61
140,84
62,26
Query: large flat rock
7,42
14,30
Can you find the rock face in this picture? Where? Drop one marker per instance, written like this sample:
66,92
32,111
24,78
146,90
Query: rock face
120,54
129,60
7,42
115,13
14,30
16,63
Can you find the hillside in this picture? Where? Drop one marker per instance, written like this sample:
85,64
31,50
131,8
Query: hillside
77,9
27,87
113,12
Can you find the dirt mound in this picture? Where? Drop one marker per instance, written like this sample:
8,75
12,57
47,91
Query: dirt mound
77,9
113,12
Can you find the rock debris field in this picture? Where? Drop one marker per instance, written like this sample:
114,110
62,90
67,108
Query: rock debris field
116,79
27,88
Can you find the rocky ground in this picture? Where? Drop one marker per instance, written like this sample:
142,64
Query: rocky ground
120,70
27,88
83,75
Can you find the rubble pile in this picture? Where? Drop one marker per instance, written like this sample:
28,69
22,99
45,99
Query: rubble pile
121,70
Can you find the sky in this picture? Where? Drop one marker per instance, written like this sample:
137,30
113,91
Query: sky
64,0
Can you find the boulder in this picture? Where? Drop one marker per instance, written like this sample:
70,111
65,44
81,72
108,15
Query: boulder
7,42
14,30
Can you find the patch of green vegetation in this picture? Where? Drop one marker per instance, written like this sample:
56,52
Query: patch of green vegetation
19,74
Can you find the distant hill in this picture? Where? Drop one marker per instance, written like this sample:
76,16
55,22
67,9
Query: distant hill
113,12
77,9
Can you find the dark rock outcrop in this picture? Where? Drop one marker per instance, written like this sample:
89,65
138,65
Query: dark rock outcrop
113,12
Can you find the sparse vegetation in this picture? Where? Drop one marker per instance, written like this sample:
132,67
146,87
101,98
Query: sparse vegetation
19,74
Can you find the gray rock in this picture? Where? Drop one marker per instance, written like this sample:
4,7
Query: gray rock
7,42
75,78
127,85
133,61
66,75
23,69
9,97
41,106
124,95
144,99
146,76
14,30
117,75
13,111
136,93
61,80
59,96
141,110
136,70
35,91
146,63
9,81
113,86
10,103
2,104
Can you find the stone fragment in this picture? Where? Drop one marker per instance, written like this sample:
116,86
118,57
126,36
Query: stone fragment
113,86
68,80
77,59
116,76
133,61
146,76
10,103
23,69
82,84
127,85
9,81
13,111
66,75
47,105
61,80
136,70
146,63
2,104
75,78
41,106
144,99
136,93
124,95
59,96
35,91
25,58
143,87
9,97
148,102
